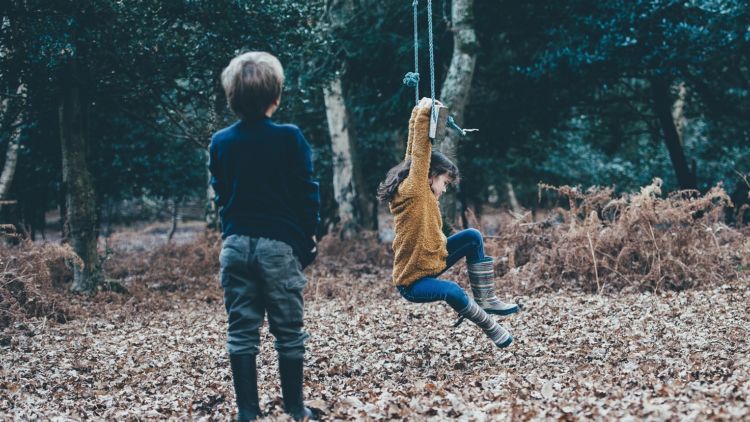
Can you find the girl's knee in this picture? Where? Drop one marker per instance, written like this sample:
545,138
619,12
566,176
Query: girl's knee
456,296
456,292
475,234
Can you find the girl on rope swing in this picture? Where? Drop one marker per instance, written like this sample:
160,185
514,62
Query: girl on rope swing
421,251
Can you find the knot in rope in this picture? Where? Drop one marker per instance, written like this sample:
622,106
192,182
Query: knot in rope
411,79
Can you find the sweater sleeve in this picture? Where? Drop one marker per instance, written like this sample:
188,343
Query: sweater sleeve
307,190
409,142
421,151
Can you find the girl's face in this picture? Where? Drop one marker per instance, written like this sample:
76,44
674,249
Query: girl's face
439,184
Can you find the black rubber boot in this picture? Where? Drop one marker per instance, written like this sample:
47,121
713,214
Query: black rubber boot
291,389
245,377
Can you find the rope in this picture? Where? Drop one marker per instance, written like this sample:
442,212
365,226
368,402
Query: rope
411,79
432,55
453,125
415,4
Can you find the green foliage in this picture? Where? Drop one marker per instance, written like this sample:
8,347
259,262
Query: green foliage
150,84
561,91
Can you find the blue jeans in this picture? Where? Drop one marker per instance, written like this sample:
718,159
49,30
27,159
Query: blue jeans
466,243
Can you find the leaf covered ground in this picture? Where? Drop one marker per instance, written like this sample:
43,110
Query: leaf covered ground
635,307
375,356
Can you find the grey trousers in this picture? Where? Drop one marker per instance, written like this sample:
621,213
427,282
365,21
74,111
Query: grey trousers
262,276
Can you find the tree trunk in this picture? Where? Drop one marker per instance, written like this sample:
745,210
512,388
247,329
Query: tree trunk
175,215
63,212
512,200
11,153
678,112
354,207
344,179
457,85
11,158
79,197
663,109
212,211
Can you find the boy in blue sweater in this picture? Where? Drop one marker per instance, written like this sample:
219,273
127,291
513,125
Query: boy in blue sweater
262,175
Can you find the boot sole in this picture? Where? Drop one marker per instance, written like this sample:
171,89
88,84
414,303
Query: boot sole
505,312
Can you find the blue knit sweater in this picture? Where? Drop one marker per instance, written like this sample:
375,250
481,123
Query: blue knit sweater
262,175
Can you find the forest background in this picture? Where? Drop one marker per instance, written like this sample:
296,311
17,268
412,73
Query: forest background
612,156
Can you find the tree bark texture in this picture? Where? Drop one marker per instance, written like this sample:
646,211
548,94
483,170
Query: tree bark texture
678,112
218,106
175,218
663,110
457,85
80,198
512,200
14,140
344,180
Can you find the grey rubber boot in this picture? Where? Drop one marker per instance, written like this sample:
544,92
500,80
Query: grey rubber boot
496,332
482,279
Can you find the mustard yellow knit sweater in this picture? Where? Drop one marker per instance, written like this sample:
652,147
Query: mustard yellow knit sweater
419,245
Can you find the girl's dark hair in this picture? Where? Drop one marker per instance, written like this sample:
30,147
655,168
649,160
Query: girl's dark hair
439,164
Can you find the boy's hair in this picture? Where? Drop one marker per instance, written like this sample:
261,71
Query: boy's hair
439,164
252,82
